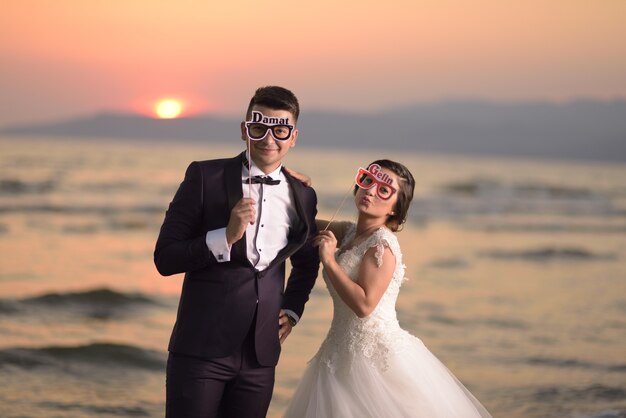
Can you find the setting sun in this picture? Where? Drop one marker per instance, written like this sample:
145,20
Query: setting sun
169,108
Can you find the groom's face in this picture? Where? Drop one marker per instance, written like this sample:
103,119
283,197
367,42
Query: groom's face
268,152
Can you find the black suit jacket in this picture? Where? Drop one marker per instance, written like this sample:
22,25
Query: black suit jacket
219,300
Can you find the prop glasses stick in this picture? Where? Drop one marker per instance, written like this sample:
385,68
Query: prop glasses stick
332,218
249,167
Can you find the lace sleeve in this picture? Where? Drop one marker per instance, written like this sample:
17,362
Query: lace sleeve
380,240
380,250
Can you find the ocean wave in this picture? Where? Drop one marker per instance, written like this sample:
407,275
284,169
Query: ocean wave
99,224
18,276
494,198
595,392
452,203
99,303
107,225
101,355
547,254
16,186
449,263
621,305
426,208
445,320
602,414
80,210
504,323
95,410
573,363
101,296
109,187
500,323
486,186
544,227
8,307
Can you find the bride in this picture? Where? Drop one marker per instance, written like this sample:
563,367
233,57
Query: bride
368,366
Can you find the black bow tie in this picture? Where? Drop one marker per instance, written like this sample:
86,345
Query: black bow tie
263,180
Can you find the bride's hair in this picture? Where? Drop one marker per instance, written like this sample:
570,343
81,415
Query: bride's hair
405,193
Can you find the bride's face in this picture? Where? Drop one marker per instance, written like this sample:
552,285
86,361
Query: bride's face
369,203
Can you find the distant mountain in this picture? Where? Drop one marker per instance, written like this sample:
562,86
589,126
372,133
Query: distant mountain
120,125
573,130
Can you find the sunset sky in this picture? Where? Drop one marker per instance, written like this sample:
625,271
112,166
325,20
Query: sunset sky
66,58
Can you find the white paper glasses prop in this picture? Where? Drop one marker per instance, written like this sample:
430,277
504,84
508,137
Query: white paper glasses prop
256,130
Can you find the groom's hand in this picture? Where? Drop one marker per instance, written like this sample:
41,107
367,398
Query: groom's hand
284,327
243,213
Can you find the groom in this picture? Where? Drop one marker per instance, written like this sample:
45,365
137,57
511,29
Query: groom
230,229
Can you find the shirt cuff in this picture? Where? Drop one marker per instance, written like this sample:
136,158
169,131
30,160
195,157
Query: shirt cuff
292,314
217,245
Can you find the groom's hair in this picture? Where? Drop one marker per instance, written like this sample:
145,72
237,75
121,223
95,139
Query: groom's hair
405,193
277,98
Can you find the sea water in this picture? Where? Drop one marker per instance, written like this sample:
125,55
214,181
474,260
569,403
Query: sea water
517,276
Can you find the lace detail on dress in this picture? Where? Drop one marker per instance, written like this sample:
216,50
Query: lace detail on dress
380,250
378,335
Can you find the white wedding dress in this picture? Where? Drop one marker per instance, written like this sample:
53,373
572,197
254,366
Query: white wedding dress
370,367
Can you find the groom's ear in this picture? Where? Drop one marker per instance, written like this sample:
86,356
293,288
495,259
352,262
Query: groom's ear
243,131
294,137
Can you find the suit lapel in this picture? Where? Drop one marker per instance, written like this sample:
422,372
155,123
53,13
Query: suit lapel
234,193
297,189
299,232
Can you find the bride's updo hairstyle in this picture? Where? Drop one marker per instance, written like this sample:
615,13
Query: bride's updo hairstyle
405,193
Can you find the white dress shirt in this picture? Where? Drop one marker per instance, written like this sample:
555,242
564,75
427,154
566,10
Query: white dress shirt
275,212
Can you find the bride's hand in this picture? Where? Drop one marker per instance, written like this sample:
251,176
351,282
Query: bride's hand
303,178
327,245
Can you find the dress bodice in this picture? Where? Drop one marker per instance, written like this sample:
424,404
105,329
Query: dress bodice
369,367
375,335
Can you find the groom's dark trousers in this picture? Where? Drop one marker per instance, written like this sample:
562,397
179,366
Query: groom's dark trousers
232,386
224,346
